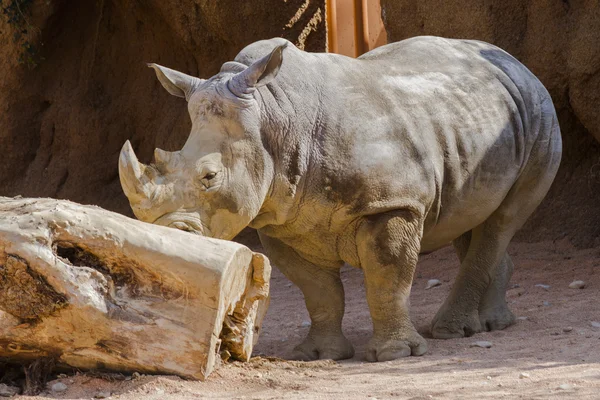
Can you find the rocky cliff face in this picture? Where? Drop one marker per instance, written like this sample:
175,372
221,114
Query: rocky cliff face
558,40
63,122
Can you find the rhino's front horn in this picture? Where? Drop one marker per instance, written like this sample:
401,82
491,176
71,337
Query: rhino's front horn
130,174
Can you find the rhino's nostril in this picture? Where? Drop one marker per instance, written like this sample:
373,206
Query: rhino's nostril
181,226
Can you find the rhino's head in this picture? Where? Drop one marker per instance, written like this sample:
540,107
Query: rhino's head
216,184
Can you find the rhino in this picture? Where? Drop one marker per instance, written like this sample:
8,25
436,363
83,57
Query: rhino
370,162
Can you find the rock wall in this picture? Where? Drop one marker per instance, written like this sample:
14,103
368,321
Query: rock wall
559,41
63,122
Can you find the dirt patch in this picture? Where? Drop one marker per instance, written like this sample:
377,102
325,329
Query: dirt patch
551,352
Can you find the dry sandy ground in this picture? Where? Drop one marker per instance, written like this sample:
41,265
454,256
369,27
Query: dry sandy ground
537,345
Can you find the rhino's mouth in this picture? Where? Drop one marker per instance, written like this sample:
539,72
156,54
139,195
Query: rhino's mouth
183,221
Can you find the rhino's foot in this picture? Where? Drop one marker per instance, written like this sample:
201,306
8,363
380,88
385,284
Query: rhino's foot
496,318
324,348
448,324
493,310
392,349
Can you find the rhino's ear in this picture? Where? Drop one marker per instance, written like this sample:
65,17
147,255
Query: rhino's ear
258,74
177,83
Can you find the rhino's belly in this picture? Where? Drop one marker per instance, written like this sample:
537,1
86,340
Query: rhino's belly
465,207
443,234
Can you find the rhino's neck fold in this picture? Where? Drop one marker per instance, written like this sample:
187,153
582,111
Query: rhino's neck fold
290,121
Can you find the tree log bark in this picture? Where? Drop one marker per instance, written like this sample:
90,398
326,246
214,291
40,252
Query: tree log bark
97,290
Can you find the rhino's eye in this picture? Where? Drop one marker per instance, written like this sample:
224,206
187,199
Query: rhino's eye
210,176
206,179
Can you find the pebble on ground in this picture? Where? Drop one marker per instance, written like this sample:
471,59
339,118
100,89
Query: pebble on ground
482,343
58,387
577,285
433,283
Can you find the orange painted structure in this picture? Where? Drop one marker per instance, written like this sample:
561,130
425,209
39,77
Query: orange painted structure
354,26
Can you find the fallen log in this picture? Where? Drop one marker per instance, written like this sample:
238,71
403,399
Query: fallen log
94,289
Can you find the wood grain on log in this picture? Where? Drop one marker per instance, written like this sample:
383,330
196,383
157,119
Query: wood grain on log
97,290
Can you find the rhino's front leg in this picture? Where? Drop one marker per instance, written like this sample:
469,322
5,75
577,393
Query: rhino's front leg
324,297
388,248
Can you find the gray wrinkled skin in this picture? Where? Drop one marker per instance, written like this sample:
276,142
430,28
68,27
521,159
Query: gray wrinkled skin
370,162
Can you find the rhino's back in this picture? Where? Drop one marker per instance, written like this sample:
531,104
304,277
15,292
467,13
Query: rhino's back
446,123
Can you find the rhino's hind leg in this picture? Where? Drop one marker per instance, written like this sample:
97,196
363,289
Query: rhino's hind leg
481,252
494,313
324,296
477,301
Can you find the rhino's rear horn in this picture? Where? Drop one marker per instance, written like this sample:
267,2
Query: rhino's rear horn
166,161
